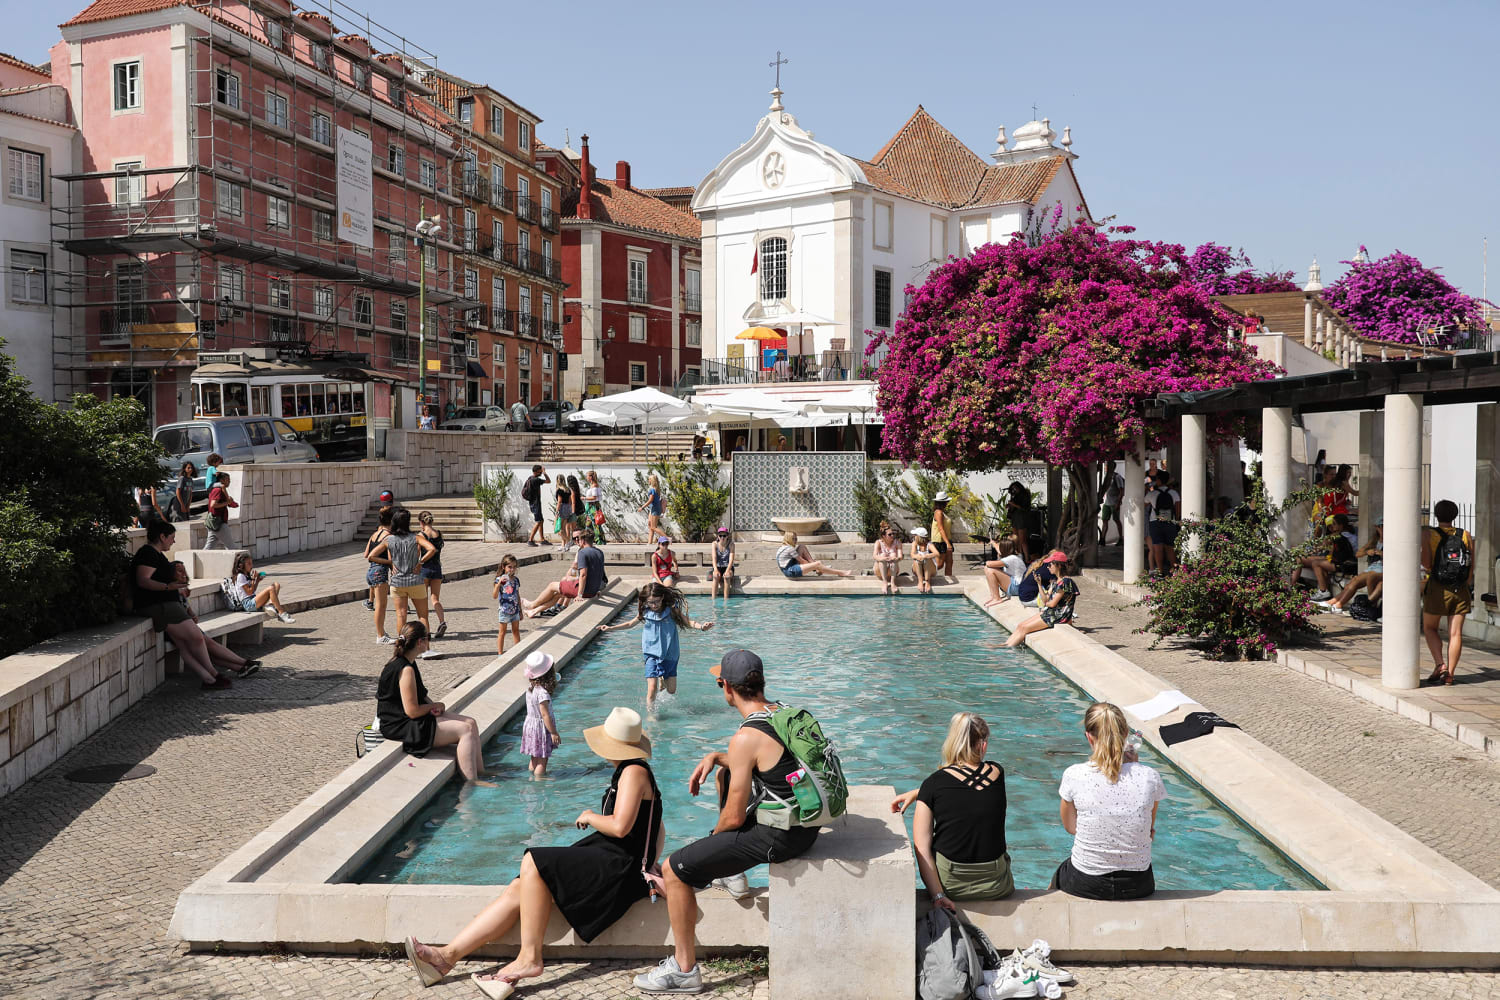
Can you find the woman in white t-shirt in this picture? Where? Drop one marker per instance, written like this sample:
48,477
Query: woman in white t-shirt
1003,573
247,581
1109,805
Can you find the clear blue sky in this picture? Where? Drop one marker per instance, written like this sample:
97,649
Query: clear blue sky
1288,129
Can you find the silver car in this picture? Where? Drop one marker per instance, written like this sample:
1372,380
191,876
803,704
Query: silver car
477,418
240,440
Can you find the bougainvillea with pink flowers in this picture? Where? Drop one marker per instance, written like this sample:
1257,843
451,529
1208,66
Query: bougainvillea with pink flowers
1048,350
1222,271
1400,299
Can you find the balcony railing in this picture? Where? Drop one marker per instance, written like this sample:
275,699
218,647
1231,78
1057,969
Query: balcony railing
636,292
828,366
475,185
527,210
692,303
527,324
502,198
549,220
551,329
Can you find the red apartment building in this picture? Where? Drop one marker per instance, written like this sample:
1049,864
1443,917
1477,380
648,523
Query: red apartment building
633,311
204,212
509,248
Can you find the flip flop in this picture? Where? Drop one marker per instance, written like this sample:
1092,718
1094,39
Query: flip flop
426,971
495,989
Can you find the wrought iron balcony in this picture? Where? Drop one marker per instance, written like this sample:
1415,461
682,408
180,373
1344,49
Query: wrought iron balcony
827,366
475,185
637,293
502,198
528,325
551,329
527,210
692,303
550,220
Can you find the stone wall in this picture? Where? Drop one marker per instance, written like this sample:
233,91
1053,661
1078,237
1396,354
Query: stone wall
60,691
307,505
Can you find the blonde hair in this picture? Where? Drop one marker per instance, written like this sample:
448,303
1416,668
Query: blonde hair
964,742
1106,724
653,480
789,538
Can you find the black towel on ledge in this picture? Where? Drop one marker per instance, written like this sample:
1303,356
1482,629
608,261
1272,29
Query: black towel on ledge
1195,724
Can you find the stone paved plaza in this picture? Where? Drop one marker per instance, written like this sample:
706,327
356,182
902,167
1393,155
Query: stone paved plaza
91,872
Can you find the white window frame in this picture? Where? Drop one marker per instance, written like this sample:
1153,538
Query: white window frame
278,110
523,134
523,357
130,189
426,172
637,285
126,90
278,213
471,349
497,303
693,334
466,110
523,309
229,197
890,299
276,35
231,283
471,230
322,225
471,283
323,307
364,310
279,292
395,158
637,328
26,174
359,77
398,314
321,129
499,353
497,121
318,53
228,89
772,267
546,361
27,279
637,366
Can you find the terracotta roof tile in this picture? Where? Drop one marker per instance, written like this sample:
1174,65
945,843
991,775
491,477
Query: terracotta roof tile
103,10
670,192
925,161
39,69
637,209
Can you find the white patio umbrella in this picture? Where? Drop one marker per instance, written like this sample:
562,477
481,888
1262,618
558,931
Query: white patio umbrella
746,406
644,408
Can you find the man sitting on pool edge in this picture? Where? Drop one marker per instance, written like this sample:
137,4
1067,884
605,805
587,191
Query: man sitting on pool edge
584,579
755,761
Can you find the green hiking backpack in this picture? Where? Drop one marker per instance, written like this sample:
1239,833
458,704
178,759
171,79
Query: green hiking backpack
820,793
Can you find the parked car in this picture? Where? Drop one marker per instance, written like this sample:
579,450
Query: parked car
550,415
588,427
241,440
477,418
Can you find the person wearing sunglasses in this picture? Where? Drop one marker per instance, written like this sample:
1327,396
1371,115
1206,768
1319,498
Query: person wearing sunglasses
585,579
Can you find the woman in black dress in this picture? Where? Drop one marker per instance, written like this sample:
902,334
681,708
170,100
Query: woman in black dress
592,883
406,714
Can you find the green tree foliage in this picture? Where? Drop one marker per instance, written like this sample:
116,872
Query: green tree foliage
492,498
66,477
696,496
1234,595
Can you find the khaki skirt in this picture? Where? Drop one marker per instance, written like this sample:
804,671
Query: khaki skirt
977,879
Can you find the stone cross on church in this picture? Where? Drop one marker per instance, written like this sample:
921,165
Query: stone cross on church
776,92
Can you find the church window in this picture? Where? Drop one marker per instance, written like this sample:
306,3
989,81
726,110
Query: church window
772,267
883,213
882,298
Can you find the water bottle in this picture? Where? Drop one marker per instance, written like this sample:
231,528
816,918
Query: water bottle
261,575
1133,743
803,790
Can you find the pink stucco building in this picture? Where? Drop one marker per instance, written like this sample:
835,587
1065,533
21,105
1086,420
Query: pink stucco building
204,210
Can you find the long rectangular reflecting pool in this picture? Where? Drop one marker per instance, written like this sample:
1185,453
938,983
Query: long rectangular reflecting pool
883,675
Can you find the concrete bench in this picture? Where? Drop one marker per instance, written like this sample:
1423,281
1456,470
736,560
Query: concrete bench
230,627
843,916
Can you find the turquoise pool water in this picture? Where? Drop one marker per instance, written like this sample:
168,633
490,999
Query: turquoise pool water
883,675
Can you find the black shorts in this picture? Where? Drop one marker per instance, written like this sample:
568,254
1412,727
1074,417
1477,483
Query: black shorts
536,512
720,855
942,548
1163,532
1110,886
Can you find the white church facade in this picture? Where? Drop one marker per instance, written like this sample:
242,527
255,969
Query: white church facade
802,238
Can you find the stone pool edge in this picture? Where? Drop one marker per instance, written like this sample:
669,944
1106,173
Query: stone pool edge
1402,905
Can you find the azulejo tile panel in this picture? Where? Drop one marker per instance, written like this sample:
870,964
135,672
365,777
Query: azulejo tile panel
761,481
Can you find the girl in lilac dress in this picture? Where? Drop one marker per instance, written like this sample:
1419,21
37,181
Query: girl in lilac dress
539,733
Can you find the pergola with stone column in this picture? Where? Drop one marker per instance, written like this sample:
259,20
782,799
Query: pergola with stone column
1399,389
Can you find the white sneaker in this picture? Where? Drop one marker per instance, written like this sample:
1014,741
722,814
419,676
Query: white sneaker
1008,982
737,886
386,640
668,977
1036,959
430,654
288,619
1321,595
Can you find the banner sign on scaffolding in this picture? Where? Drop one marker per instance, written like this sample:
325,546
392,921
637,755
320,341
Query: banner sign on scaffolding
355,189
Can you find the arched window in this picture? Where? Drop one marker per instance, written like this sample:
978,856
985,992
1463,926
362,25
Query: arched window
772,269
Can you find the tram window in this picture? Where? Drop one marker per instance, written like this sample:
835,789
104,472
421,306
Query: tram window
317,401
288,401
304,399
346,402
197,400
359,399
260,401
235,403
212,405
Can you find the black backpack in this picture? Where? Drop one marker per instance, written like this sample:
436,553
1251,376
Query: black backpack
1450,563
528,489
1362,609
1164,503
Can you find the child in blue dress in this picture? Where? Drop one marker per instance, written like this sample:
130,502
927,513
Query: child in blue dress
507,592
664,611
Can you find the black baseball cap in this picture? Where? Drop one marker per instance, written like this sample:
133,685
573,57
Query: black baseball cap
736,666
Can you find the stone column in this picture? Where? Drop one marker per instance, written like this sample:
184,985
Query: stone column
1133,511
1276,458
1194,458
1320,331
1401,625
1307,322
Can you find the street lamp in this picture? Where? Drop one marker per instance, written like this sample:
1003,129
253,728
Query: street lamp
427,228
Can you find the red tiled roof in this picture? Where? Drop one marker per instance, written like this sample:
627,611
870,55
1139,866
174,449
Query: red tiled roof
36,118
103,10
670,192
40,70
636,209
925,161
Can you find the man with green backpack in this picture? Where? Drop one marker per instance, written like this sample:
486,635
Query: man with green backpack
779,781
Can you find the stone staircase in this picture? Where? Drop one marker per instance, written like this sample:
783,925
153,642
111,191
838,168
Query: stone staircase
584,449
457,517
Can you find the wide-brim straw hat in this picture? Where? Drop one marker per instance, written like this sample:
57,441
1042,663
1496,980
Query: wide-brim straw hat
620,738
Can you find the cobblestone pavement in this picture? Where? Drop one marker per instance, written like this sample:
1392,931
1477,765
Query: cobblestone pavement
89,873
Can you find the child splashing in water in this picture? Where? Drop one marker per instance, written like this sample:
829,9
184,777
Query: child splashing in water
539,736
663,610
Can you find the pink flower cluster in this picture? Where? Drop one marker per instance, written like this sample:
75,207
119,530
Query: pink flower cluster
1398,298
1222,271
1049,350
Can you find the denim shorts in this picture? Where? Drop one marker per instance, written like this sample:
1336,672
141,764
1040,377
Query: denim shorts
793,571
248,604
377,575
657,667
